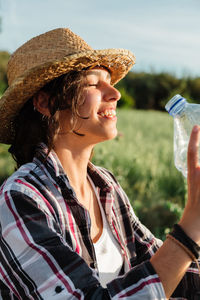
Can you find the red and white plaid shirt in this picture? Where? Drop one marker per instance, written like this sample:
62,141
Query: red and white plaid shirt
46,249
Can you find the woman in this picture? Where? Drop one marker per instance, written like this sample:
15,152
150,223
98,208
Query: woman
67,228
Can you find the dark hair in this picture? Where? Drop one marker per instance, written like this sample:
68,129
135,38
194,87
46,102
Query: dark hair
31,127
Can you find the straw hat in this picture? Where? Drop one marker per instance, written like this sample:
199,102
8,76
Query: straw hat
46,57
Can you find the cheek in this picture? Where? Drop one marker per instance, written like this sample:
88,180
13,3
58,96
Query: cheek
92,101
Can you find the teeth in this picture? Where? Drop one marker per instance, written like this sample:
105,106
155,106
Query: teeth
108,113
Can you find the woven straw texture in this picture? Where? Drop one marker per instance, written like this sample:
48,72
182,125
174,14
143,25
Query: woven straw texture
46,57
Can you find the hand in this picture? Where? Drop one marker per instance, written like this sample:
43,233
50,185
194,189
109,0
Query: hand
190,220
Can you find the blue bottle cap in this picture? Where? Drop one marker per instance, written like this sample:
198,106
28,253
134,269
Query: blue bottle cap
175,105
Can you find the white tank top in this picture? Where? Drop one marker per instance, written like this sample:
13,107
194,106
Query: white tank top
108,252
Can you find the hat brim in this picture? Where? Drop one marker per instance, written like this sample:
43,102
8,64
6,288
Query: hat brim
118,61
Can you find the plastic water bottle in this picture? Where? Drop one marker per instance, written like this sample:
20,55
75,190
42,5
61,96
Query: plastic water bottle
185,115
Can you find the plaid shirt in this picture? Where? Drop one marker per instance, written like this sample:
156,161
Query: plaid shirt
46,249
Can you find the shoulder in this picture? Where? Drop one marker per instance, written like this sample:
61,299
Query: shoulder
114,184
25,190
110,179
17,180
17,194
107,175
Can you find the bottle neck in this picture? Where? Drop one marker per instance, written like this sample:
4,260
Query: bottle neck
176,106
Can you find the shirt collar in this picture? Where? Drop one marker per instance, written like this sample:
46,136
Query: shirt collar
53,165
51,162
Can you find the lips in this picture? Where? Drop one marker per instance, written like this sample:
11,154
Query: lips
108,113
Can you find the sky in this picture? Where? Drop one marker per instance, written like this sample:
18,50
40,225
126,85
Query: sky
163,35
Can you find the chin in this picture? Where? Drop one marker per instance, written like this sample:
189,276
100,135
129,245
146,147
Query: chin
110,135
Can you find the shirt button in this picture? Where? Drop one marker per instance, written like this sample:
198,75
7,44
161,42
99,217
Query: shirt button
59,289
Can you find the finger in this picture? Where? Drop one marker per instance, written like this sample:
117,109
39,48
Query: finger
193,147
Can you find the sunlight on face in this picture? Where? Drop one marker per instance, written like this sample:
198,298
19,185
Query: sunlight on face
93,75
97,111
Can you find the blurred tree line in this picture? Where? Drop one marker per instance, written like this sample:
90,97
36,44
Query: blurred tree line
139,90
152,90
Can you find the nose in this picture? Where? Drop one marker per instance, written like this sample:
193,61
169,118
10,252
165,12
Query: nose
111,93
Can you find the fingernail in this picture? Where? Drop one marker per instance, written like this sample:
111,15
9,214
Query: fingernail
196,128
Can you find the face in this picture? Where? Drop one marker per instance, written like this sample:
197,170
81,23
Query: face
99,107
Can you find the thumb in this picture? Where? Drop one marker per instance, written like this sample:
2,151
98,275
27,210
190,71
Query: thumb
193,147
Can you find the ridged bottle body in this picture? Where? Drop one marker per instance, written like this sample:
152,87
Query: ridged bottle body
185,115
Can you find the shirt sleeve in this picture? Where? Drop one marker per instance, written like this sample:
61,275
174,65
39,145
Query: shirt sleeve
147,244
37,263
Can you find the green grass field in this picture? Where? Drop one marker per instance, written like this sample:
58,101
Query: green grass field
141,158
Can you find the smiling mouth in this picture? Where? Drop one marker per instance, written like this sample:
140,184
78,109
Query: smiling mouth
110,113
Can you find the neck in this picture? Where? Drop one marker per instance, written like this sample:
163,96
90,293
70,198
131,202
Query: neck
74,157
74,161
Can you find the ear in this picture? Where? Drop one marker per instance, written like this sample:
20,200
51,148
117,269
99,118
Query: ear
40,102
